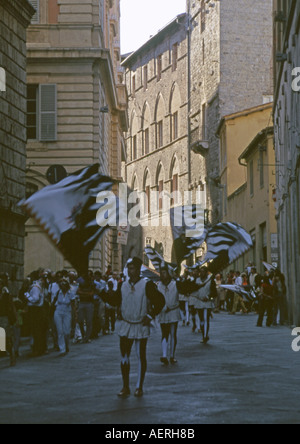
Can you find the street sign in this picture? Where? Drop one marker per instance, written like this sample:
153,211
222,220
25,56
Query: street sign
56,173
122,238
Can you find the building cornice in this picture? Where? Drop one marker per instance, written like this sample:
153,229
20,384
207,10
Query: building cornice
243,113
22,10
269,131
152,42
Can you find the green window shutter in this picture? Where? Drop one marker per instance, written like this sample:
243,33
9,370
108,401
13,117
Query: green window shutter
36,18
48,113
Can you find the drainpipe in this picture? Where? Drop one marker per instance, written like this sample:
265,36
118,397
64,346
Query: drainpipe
189,87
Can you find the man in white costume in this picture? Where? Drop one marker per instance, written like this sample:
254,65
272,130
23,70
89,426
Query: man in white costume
204,301
139,302
170,316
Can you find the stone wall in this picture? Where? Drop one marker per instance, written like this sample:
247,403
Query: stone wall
230,70
164,96
15,16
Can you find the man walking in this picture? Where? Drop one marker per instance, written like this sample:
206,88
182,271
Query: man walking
139,302
204,301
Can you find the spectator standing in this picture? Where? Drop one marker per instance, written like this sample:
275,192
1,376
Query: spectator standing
7,317
86,292
37,314
64,304
266,302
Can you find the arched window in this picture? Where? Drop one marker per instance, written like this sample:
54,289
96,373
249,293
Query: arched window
134,183
146,122
174,176
160,180
175,104
147,191
159,120
134,136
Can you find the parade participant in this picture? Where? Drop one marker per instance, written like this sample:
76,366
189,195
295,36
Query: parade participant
64,303
7,317
192,299
184,302
139,302
170,316
204,301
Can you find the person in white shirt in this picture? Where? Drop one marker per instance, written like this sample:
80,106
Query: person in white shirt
64,303
170,315
36,299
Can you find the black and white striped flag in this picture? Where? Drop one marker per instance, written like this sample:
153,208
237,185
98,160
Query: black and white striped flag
229,237
158,261
188,229
67,212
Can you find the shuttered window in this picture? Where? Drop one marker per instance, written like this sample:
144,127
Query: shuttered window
48,113
36,18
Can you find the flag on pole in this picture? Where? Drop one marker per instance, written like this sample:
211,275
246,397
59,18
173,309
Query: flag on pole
67,213
226,242
185,219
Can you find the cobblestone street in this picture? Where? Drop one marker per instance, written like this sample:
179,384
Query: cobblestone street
244,375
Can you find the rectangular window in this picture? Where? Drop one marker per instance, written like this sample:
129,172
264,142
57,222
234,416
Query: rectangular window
134,148
261,167
147,203
48,113
174,189
251,168
145,78
146,141
264,242
161,200
204,135
203,16
36,17
159,67
32,112
175,57
53,12
160,134
133,86
175,126
42,113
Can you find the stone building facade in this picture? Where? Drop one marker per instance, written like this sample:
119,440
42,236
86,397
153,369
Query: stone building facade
287,144
157,140
15,16
77,107
230,69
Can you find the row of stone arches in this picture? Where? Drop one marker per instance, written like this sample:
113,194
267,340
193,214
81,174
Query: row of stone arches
153,178
154,125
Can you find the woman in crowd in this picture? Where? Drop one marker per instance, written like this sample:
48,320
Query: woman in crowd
64,303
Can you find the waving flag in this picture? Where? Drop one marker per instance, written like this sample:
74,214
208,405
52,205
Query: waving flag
248,296
229,237
188,230
67,213
157,260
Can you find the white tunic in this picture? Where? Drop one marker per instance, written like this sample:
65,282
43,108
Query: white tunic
193,297
134,308
204,293
171,295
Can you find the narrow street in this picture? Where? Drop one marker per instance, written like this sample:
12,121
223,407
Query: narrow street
245,375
